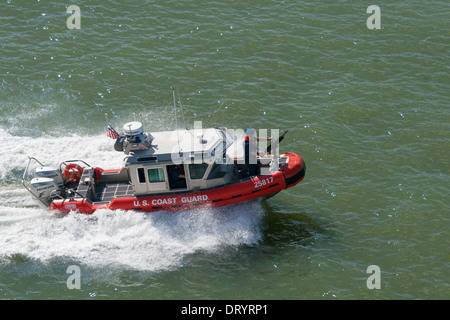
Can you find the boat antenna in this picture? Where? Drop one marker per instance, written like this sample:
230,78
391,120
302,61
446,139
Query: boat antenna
182,110
176,120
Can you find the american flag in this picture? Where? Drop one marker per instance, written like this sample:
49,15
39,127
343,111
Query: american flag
112,133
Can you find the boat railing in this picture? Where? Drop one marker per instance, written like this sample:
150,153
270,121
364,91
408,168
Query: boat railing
55,194
25,174
68,161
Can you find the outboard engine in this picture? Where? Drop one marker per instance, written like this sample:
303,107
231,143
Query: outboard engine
46,182
49,172
42,190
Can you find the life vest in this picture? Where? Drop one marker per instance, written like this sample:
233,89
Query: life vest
252,141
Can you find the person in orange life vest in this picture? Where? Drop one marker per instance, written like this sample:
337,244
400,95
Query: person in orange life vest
250,150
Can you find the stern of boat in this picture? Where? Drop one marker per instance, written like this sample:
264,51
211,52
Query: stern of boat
56,188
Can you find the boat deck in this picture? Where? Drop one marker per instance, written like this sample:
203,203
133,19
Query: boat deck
106,192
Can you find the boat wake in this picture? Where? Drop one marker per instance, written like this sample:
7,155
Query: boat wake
153,241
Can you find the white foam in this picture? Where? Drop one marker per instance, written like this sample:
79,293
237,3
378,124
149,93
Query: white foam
152,241
97,151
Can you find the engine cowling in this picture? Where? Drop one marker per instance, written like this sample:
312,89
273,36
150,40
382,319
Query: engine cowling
49,172
42,190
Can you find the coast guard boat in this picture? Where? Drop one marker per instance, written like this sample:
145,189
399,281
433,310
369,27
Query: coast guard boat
171,170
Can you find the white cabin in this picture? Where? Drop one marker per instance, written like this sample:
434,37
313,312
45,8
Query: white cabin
205,157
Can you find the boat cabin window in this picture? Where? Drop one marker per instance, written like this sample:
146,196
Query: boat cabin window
156,175
141,175
197,170
218,171
148,180
220,149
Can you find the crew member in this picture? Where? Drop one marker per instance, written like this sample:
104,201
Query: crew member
177,177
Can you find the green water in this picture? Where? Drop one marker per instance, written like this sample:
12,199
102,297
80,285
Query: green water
366,109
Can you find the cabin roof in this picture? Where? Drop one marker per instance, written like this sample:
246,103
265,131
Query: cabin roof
180,145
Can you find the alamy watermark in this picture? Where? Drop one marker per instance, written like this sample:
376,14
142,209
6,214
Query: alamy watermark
74,280
259,144
374,21
74,21
374,280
